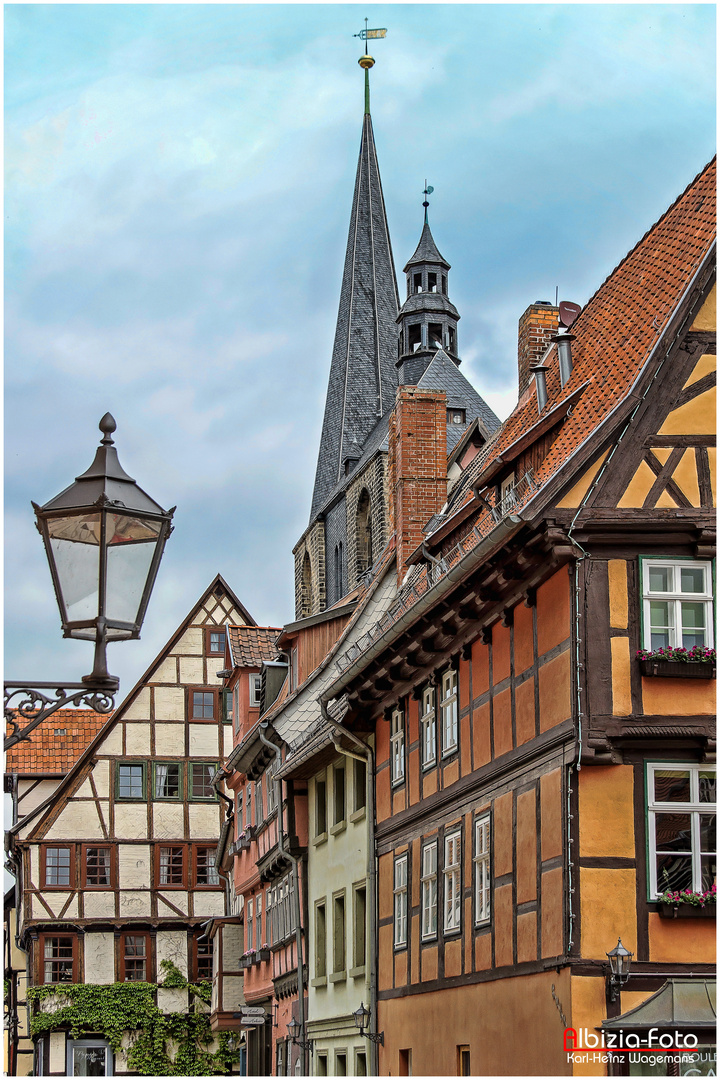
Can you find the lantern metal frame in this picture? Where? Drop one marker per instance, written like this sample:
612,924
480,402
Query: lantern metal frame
361,1017
619,959
102,492
294,1030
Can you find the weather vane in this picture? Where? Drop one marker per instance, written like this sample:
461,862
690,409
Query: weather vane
428,191
365,34
366,61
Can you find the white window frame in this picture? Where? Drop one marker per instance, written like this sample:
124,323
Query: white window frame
694,808
250,944
397,746
676,598
449,710
255,686
481,860
400,901
452,881
89,1044
428,728
270,784
429,891
258,920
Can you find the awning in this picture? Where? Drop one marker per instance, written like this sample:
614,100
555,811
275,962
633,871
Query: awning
680,1003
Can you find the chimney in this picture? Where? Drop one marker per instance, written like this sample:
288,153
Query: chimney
535,332
417,465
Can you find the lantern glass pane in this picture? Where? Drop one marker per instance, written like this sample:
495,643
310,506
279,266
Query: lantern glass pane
131,547
74,543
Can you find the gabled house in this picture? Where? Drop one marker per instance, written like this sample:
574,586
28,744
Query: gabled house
116,870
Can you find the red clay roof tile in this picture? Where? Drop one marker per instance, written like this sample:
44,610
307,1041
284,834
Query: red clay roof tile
45,751
251,645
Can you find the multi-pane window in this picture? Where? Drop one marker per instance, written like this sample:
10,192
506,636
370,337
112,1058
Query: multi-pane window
203,960
201,774
249,939
58,959
428,727
428,890
167,781
339,794
171,866
270,917
205,872
681,827
320,941
339,932
202,704
677,604
259,810
400,900
239,812
134,947
449,710
270,785
131,781
397,746
359,926
255,691
320,807
248,806
236,705
451,875
97,866
481,861
360,783
258,920
216,642
57,865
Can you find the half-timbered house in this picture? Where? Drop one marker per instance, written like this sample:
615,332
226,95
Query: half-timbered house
116,870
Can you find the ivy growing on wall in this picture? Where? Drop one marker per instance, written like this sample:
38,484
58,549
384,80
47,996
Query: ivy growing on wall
177,1044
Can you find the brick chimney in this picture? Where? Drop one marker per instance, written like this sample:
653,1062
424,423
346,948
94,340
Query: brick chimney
417,465
535,330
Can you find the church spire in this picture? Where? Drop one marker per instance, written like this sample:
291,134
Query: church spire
363,377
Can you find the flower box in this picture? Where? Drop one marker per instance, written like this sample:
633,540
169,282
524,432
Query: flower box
263,955
245,962
686,911
677,669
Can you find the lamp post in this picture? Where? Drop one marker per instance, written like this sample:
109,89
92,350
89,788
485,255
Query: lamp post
104,538
619,958
294,1031
362,1019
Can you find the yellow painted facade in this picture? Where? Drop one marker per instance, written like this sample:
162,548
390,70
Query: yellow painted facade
605,795
706,364
686,478
696,417
639,487
618,589
621,698
706,318
607,900
578,491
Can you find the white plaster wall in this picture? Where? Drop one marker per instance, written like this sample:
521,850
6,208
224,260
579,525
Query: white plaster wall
190,642
204,821
191,670
209,903
99,958
134,867
54,900
236,618
101,776
172,1001
227,735
103,811
137,738
169,703
213,664
140,708
169,740
73,908
79,820
112,743
34,865
232,992
99,905
134,904
84,791
130,821
58,1062
43,791
166,672
177,898
167,820
172,945
204,741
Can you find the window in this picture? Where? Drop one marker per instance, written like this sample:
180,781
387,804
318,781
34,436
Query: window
320,940
206,876
171,866
677,604
360,1063
215,642
363,532
202,958
400,901
306,593
255,691
321,1066
97,867
258,920
449,711
89,1057
248,806
236,705
259,810
681,827
134,956
451,874
201,774
463,1059
417,283
249,940
428,891
167,780
340,1063
481,860
202,704
456,416
405,1062
360,782
339,933
270,786
320,808
432,282
435,335
397,746
293,668
59,960
130,780
339,794
270,917
59,864
238,813
428,728
226,697
359,926
444,284
451,338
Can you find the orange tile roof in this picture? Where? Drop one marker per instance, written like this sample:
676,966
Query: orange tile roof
251,645
47,751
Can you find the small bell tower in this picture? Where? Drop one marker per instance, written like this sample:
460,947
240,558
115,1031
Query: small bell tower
427,320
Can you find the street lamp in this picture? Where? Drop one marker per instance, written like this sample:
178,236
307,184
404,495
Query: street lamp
294,1030
104,538
362,1019
619,958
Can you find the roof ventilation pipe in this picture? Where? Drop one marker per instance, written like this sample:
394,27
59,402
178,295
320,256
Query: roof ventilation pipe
538,370
564,345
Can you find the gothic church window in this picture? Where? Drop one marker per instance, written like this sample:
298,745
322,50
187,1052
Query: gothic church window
363,532
306,586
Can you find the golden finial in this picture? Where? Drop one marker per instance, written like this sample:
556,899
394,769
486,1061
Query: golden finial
366,62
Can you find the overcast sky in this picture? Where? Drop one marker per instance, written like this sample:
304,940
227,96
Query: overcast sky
178,189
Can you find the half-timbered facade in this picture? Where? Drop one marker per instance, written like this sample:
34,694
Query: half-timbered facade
116,871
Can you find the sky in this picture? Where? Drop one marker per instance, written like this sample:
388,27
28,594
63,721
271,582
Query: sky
177,201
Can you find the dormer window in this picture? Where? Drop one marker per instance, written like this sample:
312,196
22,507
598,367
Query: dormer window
417,283
456,416
432,282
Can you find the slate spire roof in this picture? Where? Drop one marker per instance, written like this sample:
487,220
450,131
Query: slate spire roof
363,376
426,252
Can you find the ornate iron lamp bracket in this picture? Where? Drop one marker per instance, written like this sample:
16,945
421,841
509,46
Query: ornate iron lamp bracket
33,704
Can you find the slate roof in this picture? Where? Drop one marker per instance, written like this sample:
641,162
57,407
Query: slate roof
442,374
47,752
363,376
251,645
426,251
